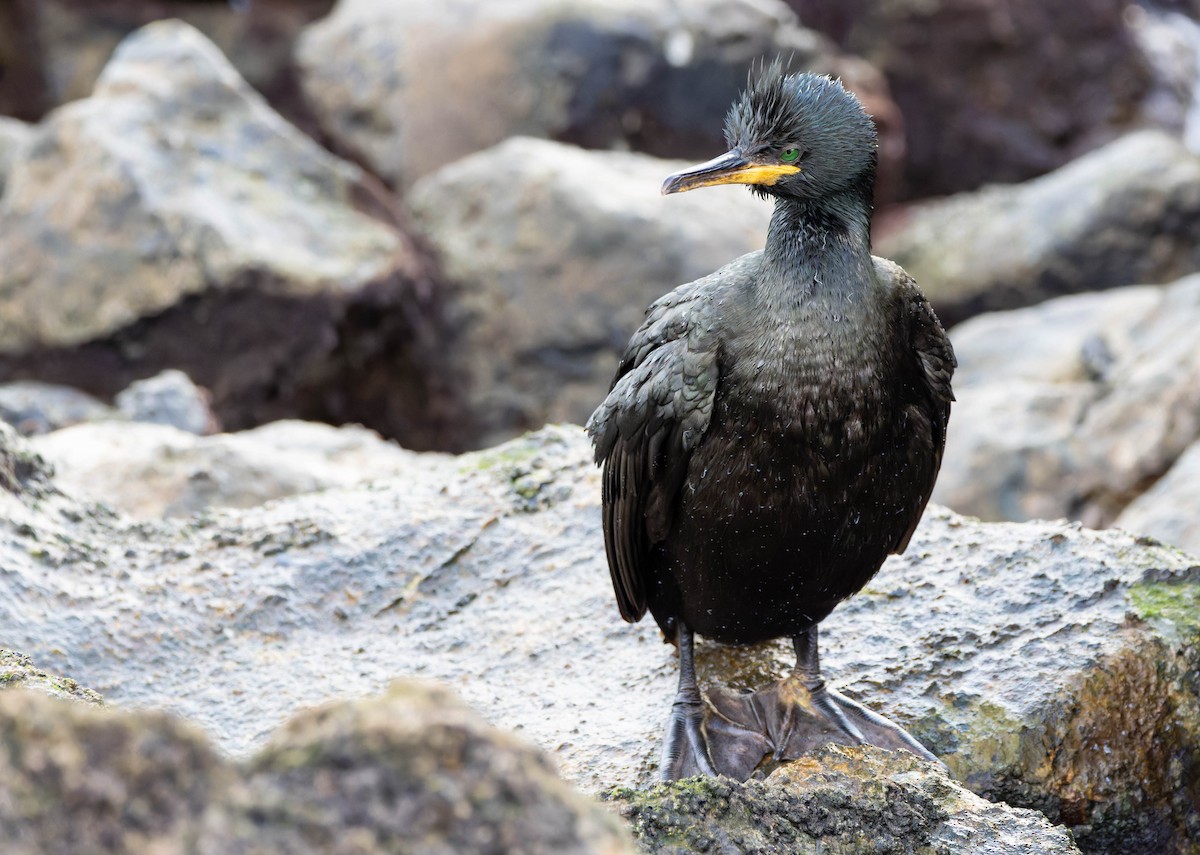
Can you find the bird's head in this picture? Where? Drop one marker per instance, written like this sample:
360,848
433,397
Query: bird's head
791,135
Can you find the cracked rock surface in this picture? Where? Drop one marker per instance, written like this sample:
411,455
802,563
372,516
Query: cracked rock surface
1048,665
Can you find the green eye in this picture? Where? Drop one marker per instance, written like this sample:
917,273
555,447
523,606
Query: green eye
789,155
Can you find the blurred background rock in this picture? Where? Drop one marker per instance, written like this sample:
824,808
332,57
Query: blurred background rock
441,221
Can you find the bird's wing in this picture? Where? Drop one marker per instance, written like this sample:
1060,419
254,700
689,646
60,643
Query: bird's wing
933,363
644,431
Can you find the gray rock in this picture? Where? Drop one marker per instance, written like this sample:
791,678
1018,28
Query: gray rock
169,398
18,670
1170,510
557,252
413,771
58,48
174,220
652,75
14,136
1074,407
1126,214
838,801
1048,665
151,471
34,408
999,93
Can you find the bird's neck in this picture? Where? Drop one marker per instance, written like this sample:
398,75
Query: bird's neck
822,245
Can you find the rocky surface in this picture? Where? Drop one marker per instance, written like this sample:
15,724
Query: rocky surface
169,398
557,252
1073,408
14,135
1170,509
999,92
150,471
58,48
412,771
653,76
1048,665
33,407
206,233
18,671
839,801
1126,214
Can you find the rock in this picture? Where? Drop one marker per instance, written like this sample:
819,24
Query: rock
33,408
997,92
22,472
1073,408
174,220
654,76
557,252
1170,510
151,471
14,135
1049,665
169,398
17,670
1126,214
61,46
412,771
839,800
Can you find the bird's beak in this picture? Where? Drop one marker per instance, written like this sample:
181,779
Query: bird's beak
729,168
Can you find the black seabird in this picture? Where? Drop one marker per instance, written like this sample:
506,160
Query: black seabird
774,429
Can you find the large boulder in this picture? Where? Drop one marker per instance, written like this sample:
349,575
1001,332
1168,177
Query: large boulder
33,407
56,49
411,771
14,136
174,220
839,801
410,86
150,471
1170,509
1073,408
999,92
1048,665
557,252
1126,214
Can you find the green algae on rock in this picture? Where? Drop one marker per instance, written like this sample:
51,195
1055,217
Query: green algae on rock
18,670
837,801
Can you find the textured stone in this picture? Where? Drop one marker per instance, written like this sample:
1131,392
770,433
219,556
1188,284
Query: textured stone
413,771
17,670
1170,509
150,471
1048,665
652,75
14,135
169,398
1074,407
33,408
173,219
838,801
58,48
557,252
998,91
1126,214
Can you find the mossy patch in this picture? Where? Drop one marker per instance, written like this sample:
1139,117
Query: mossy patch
1177,603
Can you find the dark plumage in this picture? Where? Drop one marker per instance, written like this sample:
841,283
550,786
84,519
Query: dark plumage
774,429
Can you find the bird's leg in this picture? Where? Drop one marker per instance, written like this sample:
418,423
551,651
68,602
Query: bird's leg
852,719
685,750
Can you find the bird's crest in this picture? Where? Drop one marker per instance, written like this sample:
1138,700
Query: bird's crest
775,103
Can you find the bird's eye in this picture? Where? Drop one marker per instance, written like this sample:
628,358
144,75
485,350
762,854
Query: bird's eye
789,155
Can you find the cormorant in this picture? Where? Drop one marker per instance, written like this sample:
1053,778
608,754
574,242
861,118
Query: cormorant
774,429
